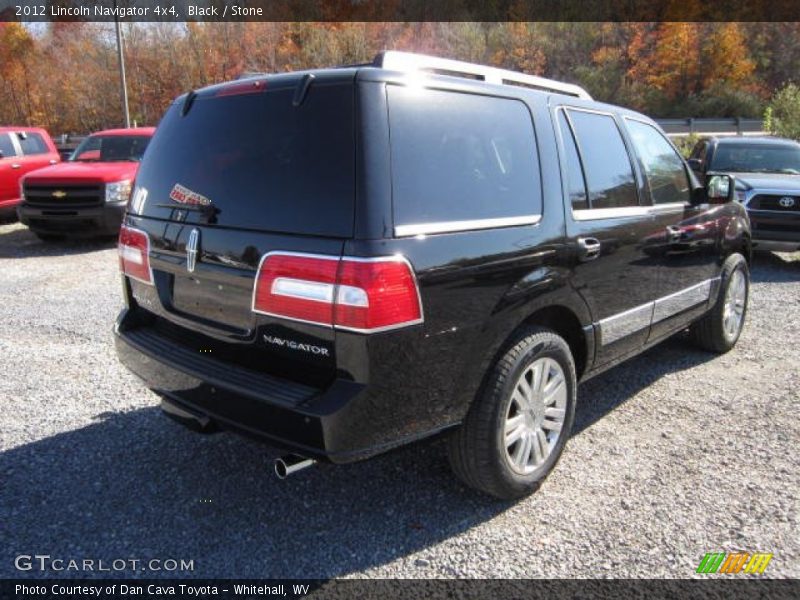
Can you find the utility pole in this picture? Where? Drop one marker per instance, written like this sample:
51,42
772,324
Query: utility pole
121,60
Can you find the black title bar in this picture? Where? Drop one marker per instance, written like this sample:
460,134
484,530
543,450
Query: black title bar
398,10
731,588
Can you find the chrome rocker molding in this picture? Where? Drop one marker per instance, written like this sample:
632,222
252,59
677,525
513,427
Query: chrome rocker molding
623,324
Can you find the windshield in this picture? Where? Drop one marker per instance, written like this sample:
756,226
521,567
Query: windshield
111,148
757,158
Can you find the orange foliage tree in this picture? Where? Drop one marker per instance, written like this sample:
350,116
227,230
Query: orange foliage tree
64,75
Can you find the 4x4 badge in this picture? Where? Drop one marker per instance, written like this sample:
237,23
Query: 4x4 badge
191,250
786,202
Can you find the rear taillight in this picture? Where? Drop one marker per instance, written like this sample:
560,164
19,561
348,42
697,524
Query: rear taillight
358,294
134,254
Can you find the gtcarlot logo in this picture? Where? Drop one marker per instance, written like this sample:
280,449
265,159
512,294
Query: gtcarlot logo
45,562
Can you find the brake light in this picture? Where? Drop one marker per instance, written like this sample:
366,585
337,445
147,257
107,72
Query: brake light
244,87
134,254
356,294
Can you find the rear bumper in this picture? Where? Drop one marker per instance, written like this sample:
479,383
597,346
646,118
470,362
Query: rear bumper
342,423
775,230
75,222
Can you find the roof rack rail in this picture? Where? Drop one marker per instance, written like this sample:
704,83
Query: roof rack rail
407,62
250,74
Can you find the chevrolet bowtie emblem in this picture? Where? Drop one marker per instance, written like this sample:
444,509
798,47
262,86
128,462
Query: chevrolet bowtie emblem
59,194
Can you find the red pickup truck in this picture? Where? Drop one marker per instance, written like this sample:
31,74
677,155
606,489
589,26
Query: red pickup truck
22,150
85,195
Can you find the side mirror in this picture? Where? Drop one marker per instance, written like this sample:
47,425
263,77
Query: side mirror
695,164
720,188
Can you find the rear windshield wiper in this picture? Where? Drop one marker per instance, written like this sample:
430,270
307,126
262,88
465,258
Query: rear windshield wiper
209,211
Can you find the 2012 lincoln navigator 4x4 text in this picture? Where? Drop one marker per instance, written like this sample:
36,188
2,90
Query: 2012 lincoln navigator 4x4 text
347,260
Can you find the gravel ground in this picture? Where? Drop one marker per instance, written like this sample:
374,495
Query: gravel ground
675,454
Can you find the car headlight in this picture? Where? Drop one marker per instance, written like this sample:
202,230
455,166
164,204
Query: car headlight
118,192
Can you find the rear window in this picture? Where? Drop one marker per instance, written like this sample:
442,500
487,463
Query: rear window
258,160
461,157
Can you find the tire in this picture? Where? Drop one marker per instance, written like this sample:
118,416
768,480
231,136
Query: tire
49,237
716,332
478,451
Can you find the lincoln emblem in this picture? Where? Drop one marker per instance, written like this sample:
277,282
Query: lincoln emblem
191,250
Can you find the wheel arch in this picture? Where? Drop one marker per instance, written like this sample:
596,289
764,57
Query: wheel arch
566,324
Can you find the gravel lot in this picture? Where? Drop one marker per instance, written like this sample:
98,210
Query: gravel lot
675,454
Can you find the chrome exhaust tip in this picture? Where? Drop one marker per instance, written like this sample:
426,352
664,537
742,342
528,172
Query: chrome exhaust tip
291,463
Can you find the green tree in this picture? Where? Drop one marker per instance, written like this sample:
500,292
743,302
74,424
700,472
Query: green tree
782,116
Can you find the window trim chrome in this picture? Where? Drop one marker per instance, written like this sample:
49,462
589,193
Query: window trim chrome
415,229
591,214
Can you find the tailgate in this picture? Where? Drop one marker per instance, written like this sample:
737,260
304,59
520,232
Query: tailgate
235,172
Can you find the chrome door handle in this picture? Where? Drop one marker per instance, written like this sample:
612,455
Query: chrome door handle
674,233
589,248
53,162
16,166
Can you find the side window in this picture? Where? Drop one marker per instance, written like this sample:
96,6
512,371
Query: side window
6,147
576,186
608,168
666,174
32,143
461,157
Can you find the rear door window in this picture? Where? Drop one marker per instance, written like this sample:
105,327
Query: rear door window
6,147
32,143
609,172
257,160
461,157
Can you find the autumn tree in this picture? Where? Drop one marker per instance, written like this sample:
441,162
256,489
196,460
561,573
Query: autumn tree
64,76
726,59
17,56
673,68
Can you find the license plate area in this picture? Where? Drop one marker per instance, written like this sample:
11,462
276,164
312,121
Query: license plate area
209,300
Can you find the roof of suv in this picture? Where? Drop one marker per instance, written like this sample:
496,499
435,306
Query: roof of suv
129,131
390,64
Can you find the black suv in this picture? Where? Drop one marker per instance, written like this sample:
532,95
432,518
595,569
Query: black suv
767,171
347,260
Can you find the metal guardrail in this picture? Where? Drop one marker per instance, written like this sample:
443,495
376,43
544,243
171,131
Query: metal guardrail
706,127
